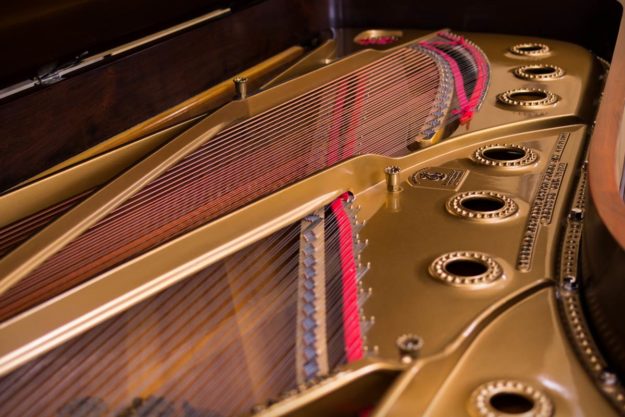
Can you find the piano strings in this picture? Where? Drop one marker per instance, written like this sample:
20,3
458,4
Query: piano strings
380,108
213,344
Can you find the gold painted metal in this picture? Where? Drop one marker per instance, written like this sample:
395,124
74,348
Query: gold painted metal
483,402
469,336
333,393
47,326
539,72
441,385
438,177
373,36
531,49
457,205
525,156
528,98
441,269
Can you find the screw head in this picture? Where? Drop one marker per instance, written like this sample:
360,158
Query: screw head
409,346
393,169
569,283
608,378
576,214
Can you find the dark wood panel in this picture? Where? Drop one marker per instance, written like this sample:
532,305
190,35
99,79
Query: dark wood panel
604,223
34,33
49,125
593,24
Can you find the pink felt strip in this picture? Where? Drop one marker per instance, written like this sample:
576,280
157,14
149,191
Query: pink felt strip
351,328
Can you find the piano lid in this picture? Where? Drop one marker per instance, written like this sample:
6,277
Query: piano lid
39,36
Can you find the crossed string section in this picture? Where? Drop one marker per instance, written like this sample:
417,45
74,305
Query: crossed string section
217,342
379,108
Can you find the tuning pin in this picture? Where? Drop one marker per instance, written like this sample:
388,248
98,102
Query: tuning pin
361,245
363,295
240,87
362,270
366,323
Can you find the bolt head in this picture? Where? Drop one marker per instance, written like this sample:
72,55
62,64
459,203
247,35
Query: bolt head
409,345
608,378
392,170
576,214
569,283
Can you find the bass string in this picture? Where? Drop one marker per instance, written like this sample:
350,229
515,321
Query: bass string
216,149
19,231
278,377
197,385
378,67
440,38
212,168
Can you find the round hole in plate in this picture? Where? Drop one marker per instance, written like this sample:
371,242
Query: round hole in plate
528,96
541,70
511,403
532,49
504,153
466,267
538,72
506,397
482,204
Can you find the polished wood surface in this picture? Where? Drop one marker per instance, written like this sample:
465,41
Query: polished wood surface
605,168
192,107
556,19
48,126
603,240
38,33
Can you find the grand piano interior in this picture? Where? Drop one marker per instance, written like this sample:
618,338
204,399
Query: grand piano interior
306,208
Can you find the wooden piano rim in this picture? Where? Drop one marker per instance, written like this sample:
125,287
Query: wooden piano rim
605,167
